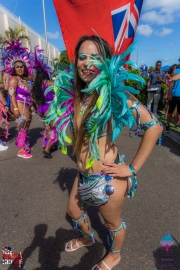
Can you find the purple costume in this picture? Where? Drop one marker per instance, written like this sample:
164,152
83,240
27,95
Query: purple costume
42,109
23,93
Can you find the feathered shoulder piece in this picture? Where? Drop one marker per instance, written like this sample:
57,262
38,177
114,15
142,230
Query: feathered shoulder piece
112,99
62,106
111,102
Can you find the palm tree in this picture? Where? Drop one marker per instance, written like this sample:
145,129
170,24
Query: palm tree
2,39
17,33
62,62
63,58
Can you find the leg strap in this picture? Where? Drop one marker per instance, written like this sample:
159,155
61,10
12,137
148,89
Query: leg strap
76,227
52,136
21,139
112,235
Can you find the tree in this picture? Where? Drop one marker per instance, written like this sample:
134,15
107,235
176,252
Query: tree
62,62
151,68
63,58
17,33
2,39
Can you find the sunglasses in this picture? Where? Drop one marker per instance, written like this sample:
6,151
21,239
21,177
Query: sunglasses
19,66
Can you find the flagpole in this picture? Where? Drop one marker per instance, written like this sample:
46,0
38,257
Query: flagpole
44,15
137,58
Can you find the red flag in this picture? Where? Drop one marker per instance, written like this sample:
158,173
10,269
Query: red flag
114,20
78,17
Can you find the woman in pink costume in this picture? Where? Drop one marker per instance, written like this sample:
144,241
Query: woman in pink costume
19,91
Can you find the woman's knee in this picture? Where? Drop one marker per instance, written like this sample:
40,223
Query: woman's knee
74,211
113,225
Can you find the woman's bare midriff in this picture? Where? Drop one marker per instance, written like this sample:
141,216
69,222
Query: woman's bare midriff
108,153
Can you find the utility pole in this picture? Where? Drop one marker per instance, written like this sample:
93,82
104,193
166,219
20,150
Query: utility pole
47,49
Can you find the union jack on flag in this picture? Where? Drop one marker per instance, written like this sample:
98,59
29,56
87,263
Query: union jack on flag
114,20
125,20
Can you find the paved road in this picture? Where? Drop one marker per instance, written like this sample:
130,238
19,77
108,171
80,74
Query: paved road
34,196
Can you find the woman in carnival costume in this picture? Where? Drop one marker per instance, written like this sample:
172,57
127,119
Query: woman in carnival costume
43,100
92,97
18,64
19,91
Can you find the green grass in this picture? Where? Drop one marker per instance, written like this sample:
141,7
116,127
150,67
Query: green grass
171,125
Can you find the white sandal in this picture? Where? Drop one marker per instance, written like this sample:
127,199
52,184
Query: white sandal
96,265
71,249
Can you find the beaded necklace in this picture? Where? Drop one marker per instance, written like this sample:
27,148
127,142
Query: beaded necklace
84,106
23,84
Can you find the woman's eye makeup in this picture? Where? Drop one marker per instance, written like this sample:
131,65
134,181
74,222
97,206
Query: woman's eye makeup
96,55
82,56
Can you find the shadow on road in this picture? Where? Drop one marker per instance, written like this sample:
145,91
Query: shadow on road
35,134
170,260
65,178
50,249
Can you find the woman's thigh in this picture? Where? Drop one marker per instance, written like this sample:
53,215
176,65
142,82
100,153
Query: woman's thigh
111,211
24,111
74,204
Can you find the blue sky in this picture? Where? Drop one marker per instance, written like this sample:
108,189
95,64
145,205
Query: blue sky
158,30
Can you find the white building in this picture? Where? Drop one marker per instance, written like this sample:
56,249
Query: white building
8,19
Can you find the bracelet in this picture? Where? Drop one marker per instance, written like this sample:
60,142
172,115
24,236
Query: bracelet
134,182
132,170
16,109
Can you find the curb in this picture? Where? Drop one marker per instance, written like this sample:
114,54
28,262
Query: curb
171,136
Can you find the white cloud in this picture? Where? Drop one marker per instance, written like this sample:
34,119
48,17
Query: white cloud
167,6
144,29
55,35
163,32
166,59
156,17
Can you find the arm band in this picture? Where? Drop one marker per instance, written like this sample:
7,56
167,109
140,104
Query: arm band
11,91
144,126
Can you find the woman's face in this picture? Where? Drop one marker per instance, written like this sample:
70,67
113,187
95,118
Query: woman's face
19,68
87,74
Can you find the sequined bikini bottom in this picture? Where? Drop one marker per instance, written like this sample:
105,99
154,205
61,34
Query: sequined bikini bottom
94,189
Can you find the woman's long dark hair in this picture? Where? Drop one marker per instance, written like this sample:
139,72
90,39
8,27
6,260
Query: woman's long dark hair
37,87
79,133
171,69
25,69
